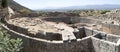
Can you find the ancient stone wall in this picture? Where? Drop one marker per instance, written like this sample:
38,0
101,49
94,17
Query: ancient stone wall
60,19
111,28
72,20
49,36
88,40
35,44
106,43
83,32
40,45
85,20
99,42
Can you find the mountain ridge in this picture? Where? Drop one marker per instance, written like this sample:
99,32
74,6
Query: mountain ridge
97,7
16,6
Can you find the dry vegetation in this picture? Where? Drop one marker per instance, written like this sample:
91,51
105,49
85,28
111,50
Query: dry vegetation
89,12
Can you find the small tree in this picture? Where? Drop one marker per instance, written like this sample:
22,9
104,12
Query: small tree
7,44
4,3
24,11
104,11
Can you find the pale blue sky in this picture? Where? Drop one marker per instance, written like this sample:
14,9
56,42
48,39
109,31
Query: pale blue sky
40,4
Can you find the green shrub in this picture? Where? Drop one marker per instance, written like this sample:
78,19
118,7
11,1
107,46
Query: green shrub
24,11
104,11
7,44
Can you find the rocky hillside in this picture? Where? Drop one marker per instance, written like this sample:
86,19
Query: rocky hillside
14,5
112,15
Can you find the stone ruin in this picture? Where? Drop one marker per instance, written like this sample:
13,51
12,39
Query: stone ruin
66,34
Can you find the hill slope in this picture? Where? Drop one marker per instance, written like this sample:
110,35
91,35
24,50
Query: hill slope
14,5
99,7
87,7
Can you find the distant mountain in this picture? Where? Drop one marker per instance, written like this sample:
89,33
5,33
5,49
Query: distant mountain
99,7
96,7
14,5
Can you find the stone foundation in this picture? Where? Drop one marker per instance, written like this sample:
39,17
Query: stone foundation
106,43
72,20
111,28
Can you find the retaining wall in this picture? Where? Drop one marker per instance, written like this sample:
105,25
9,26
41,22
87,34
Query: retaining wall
106,43
85,20
72,20
32,44
111,28
109,43
94,42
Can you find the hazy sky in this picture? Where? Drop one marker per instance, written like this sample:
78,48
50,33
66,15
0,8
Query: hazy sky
40,4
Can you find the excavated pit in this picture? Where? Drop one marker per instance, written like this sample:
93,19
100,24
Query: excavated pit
105,37
82,33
